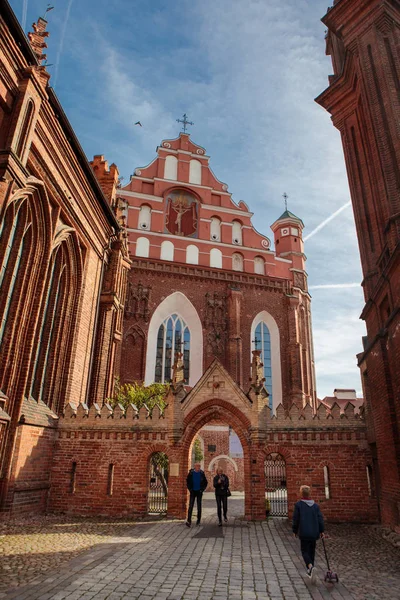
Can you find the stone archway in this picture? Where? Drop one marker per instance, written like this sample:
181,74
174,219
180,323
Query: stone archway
194,421
217,397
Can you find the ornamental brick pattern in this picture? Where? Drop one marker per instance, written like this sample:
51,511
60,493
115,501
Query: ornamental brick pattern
363,99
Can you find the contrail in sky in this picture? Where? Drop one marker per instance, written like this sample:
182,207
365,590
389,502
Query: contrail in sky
24,13
334,286
328,220
61,46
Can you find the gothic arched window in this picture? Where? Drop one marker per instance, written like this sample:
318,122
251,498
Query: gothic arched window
15,236
173,336
262,341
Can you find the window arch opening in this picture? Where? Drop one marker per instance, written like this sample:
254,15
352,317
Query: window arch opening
173,337
262,341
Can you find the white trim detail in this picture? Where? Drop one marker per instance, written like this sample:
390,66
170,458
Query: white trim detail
176,303
231,211
209,242
222,457
141,196
270,322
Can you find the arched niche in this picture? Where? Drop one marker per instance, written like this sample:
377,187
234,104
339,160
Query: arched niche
176,303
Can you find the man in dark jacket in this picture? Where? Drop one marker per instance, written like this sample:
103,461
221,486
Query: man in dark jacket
196,482
308,525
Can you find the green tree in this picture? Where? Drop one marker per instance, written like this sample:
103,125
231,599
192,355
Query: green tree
198,454
139,395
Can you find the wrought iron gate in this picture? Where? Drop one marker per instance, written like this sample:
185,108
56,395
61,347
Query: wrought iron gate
275,485
157,497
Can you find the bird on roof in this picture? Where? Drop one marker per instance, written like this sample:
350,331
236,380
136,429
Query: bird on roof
138,123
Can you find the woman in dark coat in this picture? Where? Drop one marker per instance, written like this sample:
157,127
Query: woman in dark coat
221,485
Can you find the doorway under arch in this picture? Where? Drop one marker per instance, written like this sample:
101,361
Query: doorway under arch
220,411
157,492
276,503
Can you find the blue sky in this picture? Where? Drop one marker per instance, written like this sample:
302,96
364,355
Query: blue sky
246,73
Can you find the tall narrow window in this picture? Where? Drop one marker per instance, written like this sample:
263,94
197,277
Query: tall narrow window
56,291
72,484
262,341
144,217
12,246
171,168
370,481
192,255
215,230
327,483
142,247
237,233
259,265
216,258
173,336
195,172
110,482
167,250
237,261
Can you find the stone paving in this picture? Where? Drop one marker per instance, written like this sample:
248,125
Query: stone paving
165,560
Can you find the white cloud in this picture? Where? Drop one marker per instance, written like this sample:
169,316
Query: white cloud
334,286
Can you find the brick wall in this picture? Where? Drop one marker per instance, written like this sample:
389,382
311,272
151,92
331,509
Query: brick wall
308,443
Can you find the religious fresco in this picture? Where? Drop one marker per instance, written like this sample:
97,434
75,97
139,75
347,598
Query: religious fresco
182,213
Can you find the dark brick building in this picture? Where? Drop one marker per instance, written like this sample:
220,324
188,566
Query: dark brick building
363,98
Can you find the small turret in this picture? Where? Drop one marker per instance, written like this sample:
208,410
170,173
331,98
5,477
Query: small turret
289,241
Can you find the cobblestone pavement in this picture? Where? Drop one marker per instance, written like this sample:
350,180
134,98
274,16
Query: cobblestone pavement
250,561
31,546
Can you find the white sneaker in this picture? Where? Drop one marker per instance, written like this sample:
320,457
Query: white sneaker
313,575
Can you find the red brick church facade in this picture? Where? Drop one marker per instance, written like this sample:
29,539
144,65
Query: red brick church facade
167,280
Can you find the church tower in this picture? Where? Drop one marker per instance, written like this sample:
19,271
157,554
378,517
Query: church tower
363,98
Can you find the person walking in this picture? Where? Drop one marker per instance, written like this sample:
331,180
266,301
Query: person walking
221,485
196,482
308,525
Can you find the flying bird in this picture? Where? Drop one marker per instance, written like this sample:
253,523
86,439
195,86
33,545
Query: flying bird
138,123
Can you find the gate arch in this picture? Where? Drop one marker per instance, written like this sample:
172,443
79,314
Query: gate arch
221,410
275,485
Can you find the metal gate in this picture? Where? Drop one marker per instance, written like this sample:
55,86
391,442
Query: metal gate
157,498
275,485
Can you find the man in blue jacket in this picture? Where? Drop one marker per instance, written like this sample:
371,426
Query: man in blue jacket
308,525
196,483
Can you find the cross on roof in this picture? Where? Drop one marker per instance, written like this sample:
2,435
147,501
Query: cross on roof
185,122
285,197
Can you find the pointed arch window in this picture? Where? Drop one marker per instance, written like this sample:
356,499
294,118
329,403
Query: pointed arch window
262,341
14,241
56,291
173,336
